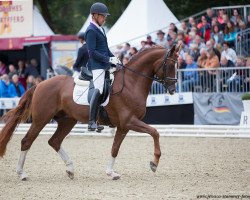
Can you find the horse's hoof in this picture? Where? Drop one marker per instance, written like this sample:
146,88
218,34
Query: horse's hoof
70,174
113,175
153,166
24,179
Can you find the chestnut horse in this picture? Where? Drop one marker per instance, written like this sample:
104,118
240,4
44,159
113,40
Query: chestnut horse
52,99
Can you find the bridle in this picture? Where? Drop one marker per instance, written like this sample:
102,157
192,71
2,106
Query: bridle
165,78
162,81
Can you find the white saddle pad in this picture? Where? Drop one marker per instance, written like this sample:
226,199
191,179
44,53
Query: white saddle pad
80,93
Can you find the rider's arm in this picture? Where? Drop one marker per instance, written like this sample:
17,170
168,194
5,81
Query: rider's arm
91,43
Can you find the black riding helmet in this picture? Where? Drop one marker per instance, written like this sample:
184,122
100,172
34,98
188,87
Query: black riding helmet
81,35
99,8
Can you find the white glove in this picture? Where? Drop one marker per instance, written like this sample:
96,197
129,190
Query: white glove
115,61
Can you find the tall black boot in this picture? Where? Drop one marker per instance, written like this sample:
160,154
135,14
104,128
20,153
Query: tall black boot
93,111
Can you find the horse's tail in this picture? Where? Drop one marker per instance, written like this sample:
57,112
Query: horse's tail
12,118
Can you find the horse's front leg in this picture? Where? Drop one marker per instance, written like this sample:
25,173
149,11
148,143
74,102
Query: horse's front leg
119,136
139,126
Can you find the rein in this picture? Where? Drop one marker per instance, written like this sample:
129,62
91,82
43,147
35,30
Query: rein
161,81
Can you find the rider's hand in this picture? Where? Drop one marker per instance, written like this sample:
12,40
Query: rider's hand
115,61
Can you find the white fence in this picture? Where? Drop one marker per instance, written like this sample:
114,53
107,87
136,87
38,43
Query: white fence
164,130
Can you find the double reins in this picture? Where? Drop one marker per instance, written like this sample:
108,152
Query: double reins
154,78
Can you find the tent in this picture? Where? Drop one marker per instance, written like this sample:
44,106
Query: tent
140,18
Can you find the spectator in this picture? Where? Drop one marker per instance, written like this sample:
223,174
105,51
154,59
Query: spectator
173,27
205,30
21,72
242,26
4,85
190,77
248,21
230,33
144,45
236,17
125,50
210,15
30,81
235,82
32,69
181,63
183,48
194,51
217,35
12,71
211,63
202,58
132,51
16,89
190,22
170,43
228,52
199,42
161,40
210,46
220,16
149,41
184,27
38,80
3,69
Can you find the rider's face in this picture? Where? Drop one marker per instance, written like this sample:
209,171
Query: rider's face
100,19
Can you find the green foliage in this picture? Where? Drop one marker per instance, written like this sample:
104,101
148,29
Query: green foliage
245,96
68,16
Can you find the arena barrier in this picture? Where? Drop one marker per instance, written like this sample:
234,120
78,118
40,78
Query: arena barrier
164,130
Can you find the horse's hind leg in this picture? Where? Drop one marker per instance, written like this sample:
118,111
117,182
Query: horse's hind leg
119,136
26,144
65,125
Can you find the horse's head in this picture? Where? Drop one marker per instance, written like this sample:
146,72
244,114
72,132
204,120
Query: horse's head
166,72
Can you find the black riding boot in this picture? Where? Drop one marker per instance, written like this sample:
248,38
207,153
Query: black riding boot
93,111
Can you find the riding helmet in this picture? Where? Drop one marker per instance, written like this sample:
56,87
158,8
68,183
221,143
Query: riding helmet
99,8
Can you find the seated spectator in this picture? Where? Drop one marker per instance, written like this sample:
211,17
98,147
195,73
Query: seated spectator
21,72
210,14
125,50
190,77
170,43
132,51
16,89
183,48
181,63
236,17
228,52
230,33
173,27
210,46
236,81
30,81
190,22
205,30
143,44
217,35
38,80
149,41
184,28
210,75
3,69
248,21
226,74
12,71
242,26
199,42
161,40
220,16
202,58
4,86
194,51
32,69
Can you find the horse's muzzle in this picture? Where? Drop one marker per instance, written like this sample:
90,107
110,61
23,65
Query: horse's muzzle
170,89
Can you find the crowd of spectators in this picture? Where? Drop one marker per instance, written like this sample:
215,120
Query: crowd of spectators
208,42
15,80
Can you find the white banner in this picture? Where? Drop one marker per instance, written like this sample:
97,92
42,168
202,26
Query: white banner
167,99
16,18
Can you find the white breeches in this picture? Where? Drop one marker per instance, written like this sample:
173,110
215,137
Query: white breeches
98,79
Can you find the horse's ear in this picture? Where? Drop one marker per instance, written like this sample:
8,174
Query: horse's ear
172,50
177,49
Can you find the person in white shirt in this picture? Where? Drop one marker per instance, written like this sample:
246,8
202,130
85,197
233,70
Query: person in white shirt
228,52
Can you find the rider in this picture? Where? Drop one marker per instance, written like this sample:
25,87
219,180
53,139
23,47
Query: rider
82,55
100,58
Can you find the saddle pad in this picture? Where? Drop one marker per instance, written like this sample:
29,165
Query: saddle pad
80,95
